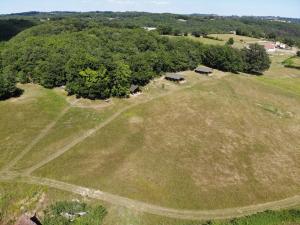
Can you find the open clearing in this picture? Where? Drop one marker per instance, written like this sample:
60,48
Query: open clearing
209,144
239,41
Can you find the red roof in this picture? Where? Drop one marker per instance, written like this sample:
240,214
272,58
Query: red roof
269,46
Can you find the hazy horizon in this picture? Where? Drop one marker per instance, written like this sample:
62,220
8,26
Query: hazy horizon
288,8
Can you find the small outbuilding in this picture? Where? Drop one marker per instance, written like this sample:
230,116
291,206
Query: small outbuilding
134,89
174,77
204,70
150,28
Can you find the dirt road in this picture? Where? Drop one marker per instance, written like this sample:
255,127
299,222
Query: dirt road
154,209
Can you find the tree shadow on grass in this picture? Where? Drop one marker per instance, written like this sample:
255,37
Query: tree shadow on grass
16,94
256,73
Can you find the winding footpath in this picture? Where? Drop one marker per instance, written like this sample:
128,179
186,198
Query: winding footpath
36,140
92,131
25,177
154,209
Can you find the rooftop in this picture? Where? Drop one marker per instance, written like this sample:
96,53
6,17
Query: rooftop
174,76
204,69
133,88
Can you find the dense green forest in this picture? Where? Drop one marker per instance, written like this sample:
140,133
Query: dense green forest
11,27
180,24
261,27
96,61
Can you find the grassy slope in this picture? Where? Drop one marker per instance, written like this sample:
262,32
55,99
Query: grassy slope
21,119
213,148
293,62
285,217
18,198
72,125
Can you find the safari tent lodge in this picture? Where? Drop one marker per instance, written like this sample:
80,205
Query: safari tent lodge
174,77
134,89
204,70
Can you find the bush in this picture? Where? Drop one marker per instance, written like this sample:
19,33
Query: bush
230,41
197,34
298,53
56,214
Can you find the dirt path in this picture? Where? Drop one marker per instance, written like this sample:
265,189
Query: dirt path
92,131
154,209
36,140
122,201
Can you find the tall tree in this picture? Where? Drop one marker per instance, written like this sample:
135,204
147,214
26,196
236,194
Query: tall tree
7,84
91,84
120,79
256,59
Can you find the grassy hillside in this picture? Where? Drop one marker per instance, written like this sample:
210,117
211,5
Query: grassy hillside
213,148
22,119
17,198
211,143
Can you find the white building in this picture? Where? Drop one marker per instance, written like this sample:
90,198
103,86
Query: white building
150,28
280,45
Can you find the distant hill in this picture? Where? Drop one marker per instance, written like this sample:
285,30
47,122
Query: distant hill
276,28
11,27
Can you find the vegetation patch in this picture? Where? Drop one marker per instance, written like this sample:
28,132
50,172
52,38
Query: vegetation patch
284,217
293,62
74,212
272,109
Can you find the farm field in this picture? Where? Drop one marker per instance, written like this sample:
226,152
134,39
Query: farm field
210,143
239,41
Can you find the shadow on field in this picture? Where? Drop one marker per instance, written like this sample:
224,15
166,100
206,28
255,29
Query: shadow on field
16,94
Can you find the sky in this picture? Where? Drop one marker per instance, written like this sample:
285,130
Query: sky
284,8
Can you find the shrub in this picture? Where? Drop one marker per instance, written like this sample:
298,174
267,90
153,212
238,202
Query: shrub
56,214
230,41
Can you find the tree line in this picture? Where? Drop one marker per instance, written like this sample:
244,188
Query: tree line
97,62
175,24
203,25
